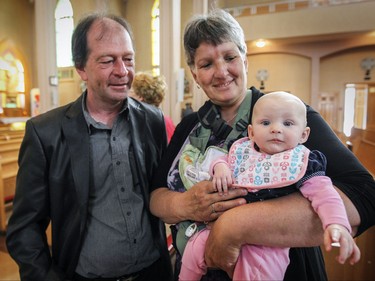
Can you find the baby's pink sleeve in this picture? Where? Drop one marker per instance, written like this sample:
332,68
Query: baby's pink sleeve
221,159
326,201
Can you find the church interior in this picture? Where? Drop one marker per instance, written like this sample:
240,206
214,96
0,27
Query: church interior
323,51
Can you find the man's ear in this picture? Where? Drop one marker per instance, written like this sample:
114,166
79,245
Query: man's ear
305,135
82,73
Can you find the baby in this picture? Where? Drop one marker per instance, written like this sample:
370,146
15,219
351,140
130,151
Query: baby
272,162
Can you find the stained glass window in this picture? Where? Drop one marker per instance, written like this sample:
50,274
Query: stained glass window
155,31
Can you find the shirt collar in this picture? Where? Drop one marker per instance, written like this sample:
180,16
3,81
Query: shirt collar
91,121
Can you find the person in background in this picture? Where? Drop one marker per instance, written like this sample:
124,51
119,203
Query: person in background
216,52
187,110
86,168
272,162
151,89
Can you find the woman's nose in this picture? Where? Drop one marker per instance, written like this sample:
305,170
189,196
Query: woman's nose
221,69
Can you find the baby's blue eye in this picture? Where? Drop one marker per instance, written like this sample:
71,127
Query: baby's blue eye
288,124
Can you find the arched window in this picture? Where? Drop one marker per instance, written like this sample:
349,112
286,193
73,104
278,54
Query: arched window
12,81
64,29
155,40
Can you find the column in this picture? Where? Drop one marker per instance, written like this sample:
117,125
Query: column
199,97
45,46
315,81
170,54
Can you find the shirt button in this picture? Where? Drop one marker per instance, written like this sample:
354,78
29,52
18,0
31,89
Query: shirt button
122,189
118,163
128,213
114,138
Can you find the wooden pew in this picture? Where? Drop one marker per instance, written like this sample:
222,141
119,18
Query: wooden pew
8,172
11,134
10,150
366,154
10,142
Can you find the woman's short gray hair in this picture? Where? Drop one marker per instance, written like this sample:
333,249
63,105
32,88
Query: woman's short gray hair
214,28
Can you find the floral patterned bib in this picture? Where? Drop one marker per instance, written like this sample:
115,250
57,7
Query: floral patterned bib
255,170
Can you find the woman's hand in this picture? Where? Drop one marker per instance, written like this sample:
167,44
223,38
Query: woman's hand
200,203
222,250
288,221
206,204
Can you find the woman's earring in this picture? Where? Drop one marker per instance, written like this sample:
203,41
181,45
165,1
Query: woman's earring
198,86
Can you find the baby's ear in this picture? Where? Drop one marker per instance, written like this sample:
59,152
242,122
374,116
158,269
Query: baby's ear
305,135
250,131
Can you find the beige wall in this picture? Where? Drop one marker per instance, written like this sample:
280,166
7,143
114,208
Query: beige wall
138,13
69,89
344,67
83,7
306,22
287,72
186,8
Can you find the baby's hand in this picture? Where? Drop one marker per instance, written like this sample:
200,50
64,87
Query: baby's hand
338,236
222,178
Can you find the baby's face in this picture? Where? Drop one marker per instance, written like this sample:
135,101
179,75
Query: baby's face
278,123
